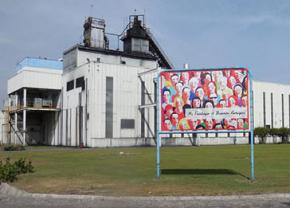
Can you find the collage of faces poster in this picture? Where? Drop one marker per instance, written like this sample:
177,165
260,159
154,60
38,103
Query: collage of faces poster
197,100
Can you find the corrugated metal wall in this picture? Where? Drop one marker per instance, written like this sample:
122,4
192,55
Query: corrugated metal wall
1,128
126,99
35,78
274,109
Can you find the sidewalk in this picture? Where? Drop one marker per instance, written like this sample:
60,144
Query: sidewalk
12,197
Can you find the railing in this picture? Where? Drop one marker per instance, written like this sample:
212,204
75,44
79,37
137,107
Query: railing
34,103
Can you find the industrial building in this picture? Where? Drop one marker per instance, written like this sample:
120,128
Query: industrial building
101,97
33,107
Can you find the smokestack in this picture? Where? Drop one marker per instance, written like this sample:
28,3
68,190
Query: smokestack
186,66
94,33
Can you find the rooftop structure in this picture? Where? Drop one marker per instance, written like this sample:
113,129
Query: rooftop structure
39,63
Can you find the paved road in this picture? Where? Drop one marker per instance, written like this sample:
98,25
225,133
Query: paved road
11,198
128,202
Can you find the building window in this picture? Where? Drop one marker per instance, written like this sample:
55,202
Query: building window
282,97
127,123
272,112
264,107
289,110
80,82
70,85
142,111
109,107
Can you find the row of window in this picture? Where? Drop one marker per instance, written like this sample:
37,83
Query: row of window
80,82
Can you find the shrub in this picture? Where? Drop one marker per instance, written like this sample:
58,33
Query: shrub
9,170
261,132
13,147
274,132
284,134
23,167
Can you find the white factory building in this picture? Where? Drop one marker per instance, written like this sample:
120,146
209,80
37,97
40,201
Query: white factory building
99,97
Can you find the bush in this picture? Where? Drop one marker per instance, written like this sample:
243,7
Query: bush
274,132
284,134
23,167
9,170
261,132
13,147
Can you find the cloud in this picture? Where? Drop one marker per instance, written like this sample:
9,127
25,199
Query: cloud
5,40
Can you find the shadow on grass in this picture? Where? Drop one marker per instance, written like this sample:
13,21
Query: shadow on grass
201,172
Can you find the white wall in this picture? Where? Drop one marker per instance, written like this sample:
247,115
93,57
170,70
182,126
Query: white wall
127,96
40,78
4,128
1,127
277,90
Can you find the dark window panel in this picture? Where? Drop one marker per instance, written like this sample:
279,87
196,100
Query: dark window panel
142,110
282,97
80,82
127,123
109,107
264,108
70,85
272,111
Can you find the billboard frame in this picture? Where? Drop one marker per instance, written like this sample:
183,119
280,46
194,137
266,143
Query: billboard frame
251,118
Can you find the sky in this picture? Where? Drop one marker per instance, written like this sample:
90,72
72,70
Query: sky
202,33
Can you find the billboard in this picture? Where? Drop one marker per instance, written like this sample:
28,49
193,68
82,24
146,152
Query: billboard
204,100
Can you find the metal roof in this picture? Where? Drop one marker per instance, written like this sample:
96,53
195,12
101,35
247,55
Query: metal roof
40,63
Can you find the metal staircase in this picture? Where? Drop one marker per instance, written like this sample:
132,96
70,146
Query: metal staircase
17,132
158,52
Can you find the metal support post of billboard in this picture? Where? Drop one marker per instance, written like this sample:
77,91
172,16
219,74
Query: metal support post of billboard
158,138
252,128
158,156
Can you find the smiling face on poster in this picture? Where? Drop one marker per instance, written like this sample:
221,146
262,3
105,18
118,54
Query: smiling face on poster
202,100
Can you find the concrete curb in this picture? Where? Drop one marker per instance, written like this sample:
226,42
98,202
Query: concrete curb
6,189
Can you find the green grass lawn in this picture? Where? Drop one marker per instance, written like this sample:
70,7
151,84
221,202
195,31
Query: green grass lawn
205,170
